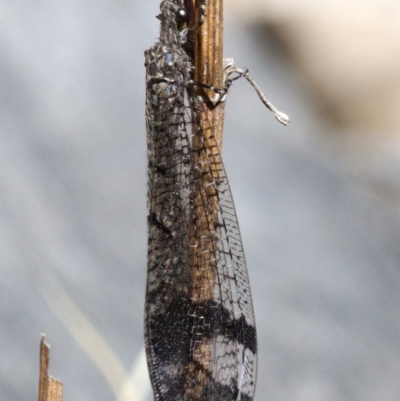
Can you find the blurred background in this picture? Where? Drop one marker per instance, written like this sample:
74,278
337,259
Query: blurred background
317,201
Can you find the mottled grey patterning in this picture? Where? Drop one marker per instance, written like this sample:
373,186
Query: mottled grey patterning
199,325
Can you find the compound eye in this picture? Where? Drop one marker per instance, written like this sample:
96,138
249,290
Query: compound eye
182,15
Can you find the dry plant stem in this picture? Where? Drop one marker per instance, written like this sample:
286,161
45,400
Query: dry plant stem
207,57
50,389
209,70
208,62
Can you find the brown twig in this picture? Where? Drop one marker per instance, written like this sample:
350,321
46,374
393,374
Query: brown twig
207,57
208,62
50,389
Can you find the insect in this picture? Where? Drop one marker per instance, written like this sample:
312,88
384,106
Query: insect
200,331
